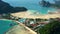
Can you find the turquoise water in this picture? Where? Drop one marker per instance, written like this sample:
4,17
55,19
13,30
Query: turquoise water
5,25
31,5
22,20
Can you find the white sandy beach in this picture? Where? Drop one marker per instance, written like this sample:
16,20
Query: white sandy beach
27,15
18,30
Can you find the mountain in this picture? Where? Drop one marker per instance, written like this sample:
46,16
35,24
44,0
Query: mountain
7,8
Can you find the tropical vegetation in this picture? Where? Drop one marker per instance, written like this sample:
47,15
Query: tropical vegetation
52,28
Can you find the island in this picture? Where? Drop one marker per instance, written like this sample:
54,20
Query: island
44,3
48,4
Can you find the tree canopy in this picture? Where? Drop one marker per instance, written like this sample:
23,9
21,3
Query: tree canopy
52,28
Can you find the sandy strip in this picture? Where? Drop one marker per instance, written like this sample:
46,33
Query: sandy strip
26,15
31,31
20,29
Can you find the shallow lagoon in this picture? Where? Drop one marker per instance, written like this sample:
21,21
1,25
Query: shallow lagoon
5,25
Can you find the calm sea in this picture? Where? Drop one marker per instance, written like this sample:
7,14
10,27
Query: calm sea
30,5
5,25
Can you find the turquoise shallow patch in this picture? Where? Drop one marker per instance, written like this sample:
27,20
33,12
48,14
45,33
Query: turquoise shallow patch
22,20
5,25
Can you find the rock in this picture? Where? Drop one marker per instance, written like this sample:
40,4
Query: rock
45,4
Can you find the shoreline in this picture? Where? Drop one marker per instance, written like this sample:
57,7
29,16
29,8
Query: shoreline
20,24
26,15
